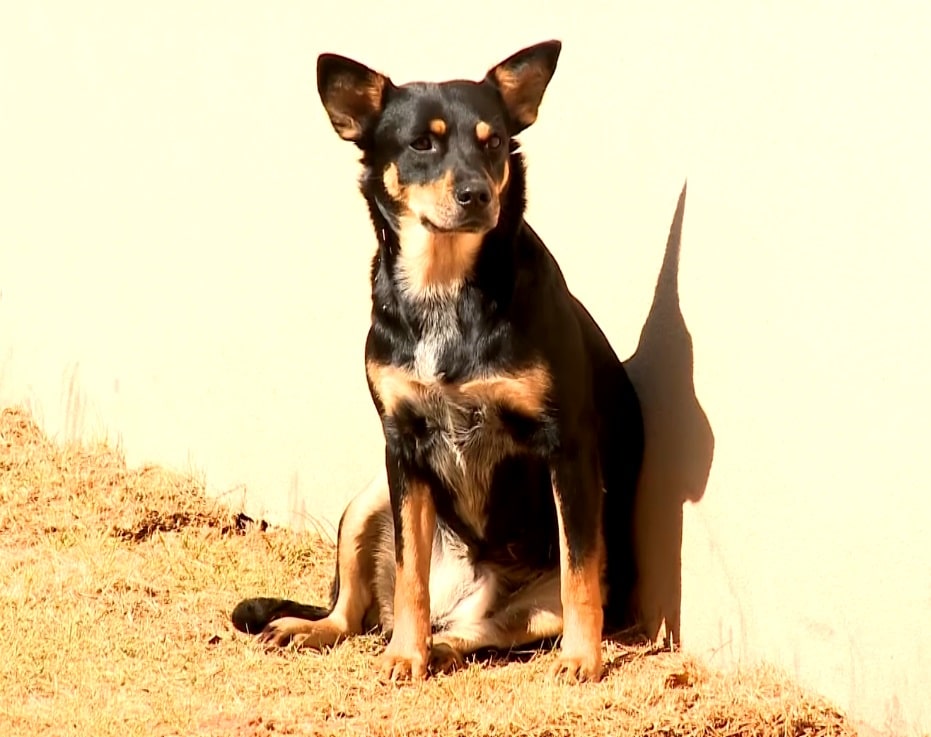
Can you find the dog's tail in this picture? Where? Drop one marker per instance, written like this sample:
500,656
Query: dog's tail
253,615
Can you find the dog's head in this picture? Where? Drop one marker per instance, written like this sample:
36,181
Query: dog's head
437,154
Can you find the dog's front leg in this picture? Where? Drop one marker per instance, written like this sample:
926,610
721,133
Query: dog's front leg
414,518
578,495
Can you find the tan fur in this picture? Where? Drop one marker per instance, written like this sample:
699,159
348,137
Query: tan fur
407,654
346,100
421,198
354,570
525,391
504,177
393,385
431,263
438,127
583,616
391,181
521,91
304,633
482,131
471,436
543,623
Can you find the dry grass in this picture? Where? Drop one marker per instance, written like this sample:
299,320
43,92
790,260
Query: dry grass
115,586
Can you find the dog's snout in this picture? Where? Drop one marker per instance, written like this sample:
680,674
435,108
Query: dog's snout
473,195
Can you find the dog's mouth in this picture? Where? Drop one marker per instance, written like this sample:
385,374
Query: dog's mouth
471,225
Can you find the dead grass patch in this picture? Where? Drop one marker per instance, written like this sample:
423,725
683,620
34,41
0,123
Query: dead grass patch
115,591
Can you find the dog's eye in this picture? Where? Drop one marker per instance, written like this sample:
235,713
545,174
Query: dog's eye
494,141
422,143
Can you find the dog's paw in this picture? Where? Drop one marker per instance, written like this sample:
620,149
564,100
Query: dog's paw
300,633
278,633
578,667
397,666
444,658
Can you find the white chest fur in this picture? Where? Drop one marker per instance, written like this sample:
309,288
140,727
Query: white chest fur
440,331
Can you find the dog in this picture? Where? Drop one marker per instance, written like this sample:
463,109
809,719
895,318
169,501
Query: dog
513,436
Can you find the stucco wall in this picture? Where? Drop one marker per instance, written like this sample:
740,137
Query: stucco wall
183,262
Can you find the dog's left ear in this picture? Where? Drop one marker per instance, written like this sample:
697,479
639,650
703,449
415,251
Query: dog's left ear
522,78
353,95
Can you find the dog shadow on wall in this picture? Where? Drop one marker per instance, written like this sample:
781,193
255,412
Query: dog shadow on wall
679,445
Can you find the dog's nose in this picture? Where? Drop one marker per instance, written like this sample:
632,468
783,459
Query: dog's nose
473,195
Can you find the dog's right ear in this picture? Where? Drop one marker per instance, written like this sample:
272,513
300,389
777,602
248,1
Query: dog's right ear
352,94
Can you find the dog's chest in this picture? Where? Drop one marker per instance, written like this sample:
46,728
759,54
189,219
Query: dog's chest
439,340
460,429
459,434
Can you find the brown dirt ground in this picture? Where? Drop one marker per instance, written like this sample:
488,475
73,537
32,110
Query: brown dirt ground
115,589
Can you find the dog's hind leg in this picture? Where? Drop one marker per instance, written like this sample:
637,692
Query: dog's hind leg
532,614
253,615
363,529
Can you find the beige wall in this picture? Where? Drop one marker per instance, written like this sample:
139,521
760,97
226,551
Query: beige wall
183,266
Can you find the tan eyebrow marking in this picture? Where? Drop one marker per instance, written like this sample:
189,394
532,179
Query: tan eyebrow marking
482,131
390,178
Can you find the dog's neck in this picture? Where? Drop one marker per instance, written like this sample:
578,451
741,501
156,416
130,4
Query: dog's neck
433,266
426,266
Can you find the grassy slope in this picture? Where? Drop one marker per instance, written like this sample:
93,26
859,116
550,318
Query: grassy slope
115,586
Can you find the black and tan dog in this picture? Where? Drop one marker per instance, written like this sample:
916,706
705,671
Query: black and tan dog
513,438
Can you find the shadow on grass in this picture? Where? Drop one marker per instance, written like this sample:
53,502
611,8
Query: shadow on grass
633,645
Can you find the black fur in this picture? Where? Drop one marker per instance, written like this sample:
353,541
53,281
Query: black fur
512,310
252,615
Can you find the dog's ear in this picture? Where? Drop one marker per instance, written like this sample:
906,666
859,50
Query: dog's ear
352,94
522,78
